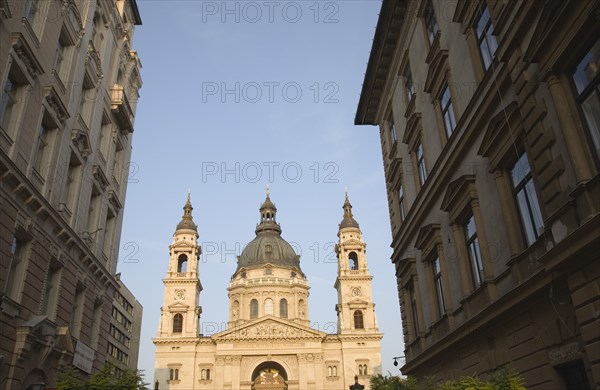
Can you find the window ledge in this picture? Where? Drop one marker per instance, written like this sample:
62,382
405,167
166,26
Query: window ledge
10,307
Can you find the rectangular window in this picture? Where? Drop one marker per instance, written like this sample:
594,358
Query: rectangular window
51,291
77,311
447,111
485,39
109,229
16,273
439,289
60,57
421,164
93,212
393,129
413,308
13,97
474,252
96,321
71,183
31,10
586,78
8,101
45,135
431,22
409,87
524,192
401,201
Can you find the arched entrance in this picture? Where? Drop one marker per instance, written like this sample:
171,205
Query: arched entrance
269,376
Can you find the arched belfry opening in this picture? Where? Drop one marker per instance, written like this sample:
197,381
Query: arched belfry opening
182,262
269,376
353,260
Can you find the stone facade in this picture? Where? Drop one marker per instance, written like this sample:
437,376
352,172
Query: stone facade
489,117
70,85
268,343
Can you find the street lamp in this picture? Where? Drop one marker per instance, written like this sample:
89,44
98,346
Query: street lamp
37,386
396,360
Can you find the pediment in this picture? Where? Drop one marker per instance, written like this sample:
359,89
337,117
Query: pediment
504,130
178,306
182,243
428,236
358,302
458,194
352,241
552,12
271,328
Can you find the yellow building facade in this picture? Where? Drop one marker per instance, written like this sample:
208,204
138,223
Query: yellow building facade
269,343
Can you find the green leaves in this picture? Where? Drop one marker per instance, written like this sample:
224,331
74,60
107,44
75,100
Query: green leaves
503,379
106,379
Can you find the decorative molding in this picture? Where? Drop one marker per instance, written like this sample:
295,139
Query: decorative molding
26,56
55,104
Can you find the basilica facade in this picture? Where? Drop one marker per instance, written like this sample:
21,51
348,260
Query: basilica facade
269,343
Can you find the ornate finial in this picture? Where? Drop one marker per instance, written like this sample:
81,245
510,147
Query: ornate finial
268,191
346,190
348,220
187,219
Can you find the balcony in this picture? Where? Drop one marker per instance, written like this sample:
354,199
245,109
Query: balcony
121,109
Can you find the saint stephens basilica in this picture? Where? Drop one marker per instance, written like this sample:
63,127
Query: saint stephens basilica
268,343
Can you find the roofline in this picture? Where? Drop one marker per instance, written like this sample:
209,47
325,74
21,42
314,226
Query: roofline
387,33
136,12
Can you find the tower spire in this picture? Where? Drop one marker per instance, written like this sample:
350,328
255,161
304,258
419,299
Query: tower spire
187,221
348,220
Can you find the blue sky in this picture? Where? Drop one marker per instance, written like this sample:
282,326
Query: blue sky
238,95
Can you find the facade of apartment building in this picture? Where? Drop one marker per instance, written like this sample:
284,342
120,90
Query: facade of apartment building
489,118
125,329
70,84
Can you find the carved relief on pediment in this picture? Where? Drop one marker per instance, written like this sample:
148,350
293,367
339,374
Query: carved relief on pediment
270,330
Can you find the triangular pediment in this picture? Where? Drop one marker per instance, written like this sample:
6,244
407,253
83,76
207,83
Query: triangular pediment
358,302
178,306
271,328
179,244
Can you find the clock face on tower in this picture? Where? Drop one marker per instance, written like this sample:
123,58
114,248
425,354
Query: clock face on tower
356,292
180,294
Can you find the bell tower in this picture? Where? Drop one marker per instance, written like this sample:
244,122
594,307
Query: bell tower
355,308
180,313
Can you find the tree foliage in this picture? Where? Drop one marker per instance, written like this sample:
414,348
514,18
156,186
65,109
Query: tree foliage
71,379
504,379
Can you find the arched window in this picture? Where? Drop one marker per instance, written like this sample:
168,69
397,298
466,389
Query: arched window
329,371
334,370
358,320
182,263
178,323
353,260
283,312
208,374
365,370
174,374
269,306
253,309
